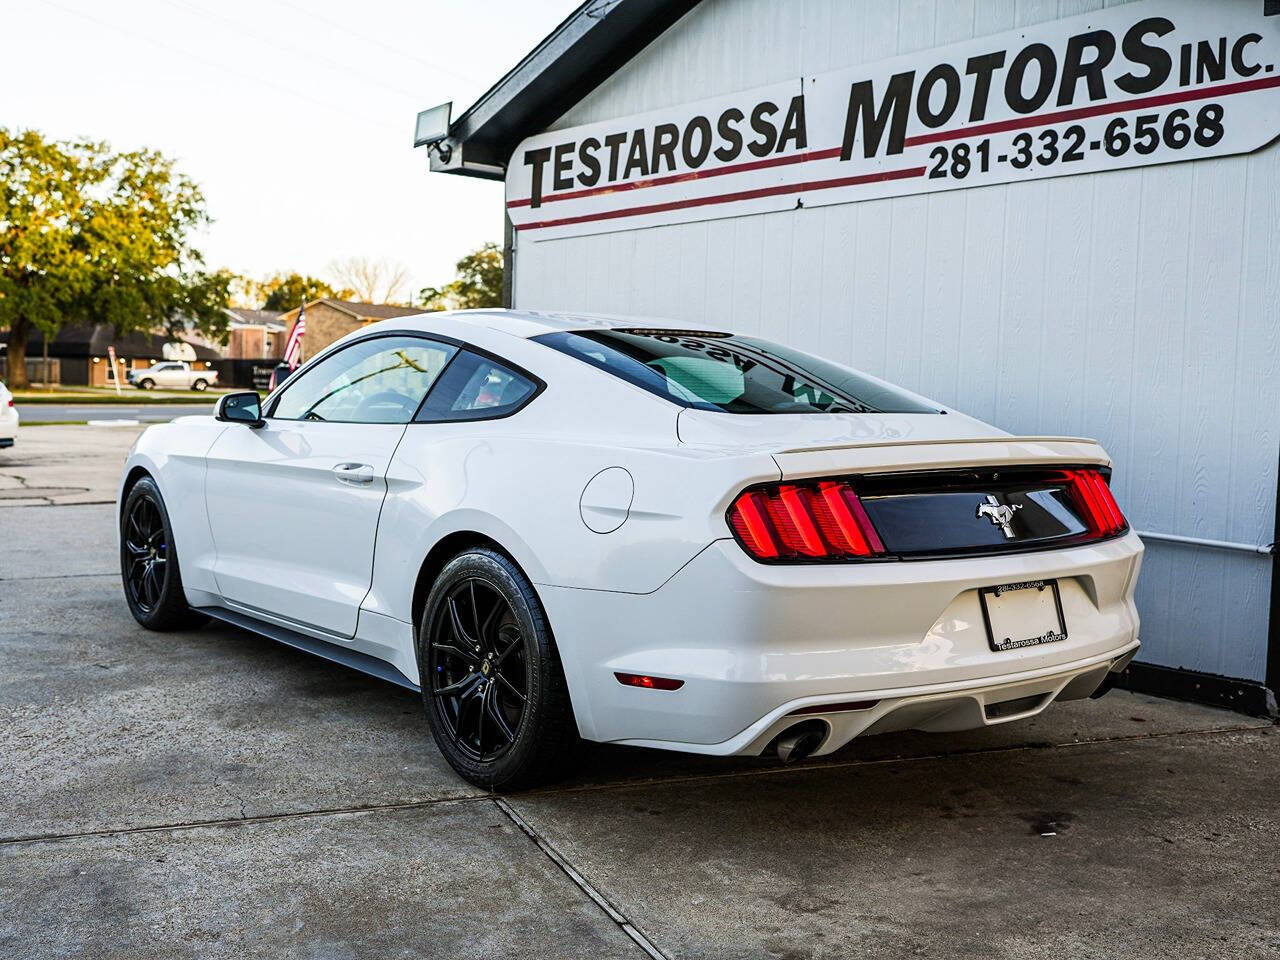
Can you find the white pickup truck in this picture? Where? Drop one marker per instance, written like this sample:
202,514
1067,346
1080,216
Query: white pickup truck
174,375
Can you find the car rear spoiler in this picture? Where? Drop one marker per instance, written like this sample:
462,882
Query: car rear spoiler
917,455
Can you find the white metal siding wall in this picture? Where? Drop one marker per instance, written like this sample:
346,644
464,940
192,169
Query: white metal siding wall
1141,307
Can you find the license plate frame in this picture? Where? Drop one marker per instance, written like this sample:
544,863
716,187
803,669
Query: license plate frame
989,599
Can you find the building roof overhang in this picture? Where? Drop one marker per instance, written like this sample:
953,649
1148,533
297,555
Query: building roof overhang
575,58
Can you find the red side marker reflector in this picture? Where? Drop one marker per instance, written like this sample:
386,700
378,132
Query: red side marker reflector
649,683
834,707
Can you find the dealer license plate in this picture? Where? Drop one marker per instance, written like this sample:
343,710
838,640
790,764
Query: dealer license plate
1023,614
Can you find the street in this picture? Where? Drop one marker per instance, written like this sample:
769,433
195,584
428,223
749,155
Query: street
213,794
83,412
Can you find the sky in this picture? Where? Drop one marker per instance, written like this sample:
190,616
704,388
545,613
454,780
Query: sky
295,117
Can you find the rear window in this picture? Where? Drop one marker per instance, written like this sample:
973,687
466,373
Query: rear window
731,373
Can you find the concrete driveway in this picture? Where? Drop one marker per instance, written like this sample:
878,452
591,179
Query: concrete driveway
63,465
212,794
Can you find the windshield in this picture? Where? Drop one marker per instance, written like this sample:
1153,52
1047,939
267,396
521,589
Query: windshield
731,373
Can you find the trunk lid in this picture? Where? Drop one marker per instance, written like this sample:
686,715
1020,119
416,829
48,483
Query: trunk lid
932,485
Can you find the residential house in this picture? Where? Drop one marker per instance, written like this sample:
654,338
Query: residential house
82,355
255,335
330,320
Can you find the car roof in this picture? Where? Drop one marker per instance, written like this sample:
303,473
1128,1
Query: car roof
532,323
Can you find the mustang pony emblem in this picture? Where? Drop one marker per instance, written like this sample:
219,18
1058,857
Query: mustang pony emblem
1000,514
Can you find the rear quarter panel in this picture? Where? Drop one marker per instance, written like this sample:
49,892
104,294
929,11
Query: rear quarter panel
520,481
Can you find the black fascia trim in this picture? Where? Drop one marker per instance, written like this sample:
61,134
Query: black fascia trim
588,47
371,666
1242,696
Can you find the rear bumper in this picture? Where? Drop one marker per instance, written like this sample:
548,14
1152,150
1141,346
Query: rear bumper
755,642
936,709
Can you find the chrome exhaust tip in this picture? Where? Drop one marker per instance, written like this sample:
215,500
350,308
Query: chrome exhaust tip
797,742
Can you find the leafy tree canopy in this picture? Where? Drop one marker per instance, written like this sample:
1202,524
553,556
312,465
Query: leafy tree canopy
284,292
478,283
89,235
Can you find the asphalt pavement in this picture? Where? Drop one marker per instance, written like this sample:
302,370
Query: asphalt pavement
209,793
85,412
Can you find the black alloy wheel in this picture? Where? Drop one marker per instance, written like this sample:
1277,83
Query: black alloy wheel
149,562
477,670
146,554
492,684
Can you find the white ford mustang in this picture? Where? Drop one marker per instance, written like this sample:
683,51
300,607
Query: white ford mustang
562,527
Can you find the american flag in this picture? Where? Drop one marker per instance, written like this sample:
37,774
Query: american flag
293,348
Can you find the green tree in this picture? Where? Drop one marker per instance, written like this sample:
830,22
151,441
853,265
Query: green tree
285,291
477,285
89,235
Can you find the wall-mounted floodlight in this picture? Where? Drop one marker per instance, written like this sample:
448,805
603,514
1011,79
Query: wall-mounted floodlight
432,125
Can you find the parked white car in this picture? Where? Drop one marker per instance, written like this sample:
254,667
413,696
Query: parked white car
173,375
558,527
8,417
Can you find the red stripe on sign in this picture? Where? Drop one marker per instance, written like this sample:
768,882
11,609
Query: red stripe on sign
1101,109
685,177
785,188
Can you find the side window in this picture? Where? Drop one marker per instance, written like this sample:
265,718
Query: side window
477,388
380,380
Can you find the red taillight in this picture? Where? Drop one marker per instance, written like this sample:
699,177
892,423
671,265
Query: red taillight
792,521
649,683
1098,508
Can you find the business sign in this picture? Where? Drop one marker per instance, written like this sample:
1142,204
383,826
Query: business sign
1151,82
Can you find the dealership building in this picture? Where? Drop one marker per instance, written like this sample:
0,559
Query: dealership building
1059,216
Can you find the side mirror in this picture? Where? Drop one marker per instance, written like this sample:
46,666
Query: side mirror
243,408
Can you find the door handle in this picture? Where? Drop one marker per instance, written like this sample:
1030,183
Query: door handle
356,473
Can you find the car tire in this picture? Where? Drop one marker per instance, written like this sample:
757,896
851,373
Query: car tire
153,590
147,384
483,644
200,385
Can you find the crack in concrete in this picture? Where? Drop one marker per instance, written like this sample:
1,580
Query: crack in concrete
34,502
23,485
38,493
237,821
25,495
581,882
59,576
